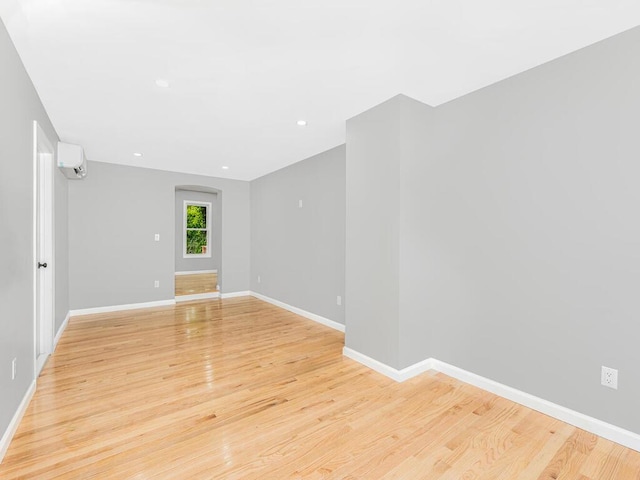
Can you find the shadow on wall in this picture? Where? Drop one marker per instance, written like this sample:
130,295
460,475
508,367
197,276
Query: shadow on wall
203,234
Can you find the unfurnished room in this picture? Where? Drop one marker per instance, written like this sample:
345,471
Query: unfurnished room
319,239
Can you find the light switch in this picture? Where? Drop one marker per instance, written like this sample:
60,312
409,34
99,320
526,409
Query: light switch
157,237
299,203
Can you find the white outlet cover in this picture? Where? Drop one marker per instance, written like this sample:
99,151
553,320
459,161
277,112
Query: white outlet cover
156,284
299,203
609,377
339,300
157,237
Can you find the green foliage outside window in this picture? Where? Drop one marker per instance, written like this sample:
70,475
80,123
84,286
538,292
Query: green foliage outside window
196,240
197,237
196,216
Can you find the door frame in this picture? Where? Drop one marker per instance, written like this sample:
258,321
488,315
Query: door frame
43,216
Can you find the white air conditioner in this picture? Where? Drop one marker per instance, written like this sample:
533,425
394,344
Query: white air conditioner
71,160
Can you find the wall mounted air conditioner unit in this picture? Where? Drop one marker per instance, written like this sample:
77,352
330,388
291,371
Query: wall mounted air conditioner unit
71,161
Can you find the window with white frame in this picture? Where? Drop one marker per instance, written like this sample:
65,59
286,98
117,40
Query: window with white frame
197,229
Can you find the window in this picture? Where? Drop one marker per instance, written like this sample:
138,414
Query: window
197,229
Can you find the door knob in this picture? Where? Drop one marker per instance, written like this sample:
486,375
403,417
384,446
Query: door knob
42,265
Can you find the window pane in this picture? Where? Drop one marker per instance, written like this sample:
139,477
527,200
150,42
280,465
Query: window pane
196,242
196,216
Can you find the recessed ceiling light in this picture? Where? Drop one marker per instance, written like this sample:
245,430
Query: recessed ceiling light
302,123
162,83
137,154
224,167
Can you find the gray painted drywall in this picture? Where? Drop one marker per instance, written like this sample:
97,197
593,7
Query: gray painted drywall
113,216
195,264
299,252
20,107
415,334
536,255
383,324
61,240
519,229
373,232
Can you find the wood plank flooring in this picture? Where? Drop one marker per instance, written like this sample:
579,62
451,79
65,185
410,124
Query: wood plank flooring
196,283
240,389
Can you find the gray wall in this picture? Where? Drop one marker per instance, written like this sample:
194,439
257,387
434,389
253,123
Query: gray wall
373,232
20,107
61,227
519,229
299,252
195,264
385,323
415,334
531,231
113,216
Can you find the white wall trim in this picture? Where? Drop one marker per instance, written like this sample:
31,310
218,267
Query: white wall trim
15,421
61,330
44,230
196,272
299,311
245,293
197,296
117,308
585,422
393,373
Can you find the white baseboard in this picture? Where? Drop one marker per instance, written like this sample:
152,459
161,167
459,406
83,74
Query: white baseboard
61,330
299,311
598,427
117,308
246,293
585,422
196,272
15,421
197,296
386,370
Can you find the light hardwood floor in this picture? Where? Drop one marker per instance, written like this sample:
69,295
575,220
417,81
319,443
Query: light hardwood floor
240,389
196,283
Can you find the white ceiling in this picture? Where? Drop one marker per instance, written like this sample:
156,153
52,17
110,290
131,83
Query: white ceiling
242,72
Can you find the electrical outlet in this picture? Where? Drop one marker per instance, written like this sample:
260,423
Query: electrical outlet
338,300
157,237
259,280
156,284
609,377
14,363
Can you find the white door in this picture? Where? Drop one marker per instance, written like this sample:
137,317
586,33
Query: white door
43,246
